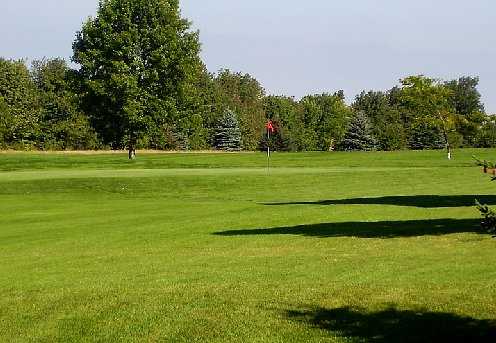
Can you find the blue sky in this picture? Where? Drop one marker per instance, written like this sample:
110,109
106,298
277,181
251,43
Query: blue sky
300,47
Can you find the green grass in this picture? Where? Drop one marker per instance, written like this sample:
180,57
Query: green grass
330,247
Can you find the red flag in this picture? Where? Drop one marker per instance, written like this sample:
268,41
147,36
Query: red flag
270,127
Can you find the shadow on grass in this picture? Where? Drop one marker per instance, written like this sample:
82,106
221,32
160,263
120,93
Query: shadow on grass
393,325
385,229
424,201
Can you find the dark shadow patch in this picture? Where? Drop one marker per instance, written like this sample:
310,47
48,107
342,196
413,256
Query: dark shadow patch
393,325
383,229
423,201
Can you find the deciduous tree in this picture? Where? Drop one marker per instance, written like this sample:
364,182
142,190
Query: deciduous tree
20,122
428,104
286,114
244,95
387,124
63,125
325,118
135,59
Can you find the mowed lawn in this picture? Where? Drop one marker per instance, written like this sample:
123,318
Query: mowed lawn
328,247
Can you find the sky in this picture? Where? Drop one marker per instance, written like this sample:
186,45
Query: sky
299,47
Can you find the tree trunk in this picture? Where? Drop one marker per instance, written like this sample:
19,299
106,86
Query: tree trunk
132,147
446,139
132,152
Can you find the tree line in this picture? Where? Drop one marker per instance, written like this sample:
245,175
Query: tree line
137,81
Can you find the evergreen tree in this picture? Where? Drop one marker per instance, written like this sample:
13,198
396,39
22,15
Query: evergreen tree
359,135
228,133
243,94
385,118
425,135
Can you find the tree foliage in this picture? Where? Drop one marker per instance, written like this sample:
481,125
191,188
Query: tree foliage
359,135
63,125
136,58
286,114
228,133
429,112
139,83
387,123
244,95
465,98
486,135
20,122
325,118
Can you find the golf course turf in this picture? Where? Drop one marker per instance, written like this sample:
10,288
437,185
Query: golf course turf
324,247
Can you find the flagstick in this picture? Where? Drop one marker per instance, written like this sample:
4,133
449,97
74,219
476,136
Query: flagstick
268,151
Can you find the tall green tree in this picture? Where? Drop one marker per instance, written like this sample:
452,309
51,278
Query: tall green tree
135,59
286,113
228,133
325,117
359,136
5,119
387,123
486,135
63,125
427,102
466,101
425,135
200,111
19,109
465,97
244,95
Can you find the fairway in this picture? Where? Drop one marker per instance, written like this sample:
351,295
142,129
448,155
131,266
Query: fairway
326,247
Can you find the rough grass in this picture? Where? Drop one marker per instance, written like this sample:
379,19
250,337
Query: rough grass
337,247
